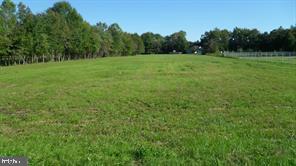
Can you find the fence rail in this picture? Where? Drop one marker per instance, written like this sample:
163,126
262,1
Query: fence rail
283,57
259,54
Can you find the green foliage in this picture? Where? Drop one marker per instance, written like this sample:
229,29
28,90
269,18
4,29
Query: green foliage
117,47
23,41
58,34
153,43
7,27
176,42
283,39
242,39
215,41
105,39
137,44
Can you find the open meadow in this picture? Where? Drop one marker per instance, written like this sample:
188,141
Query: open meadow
290,60
150,110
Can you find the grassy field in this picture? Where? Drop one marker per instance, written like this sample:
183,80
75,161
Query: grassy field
150,110
290,60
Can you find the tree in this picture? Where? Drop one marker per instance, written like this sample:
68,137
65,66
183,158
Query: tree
138,45
7,27
283,39
215,40
117,47
105,39
41,46
23,41
245,40
176,42
153,43
89,41
292,39
66,27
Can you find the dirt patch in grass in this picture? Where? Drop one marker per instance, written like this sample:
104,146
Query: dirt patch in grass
18,113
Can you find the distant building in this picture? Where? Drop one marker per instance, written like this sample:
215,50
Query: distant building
175,52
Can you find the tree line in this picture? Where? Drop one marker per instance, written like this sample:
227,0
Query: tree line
215,41
60,33
242,39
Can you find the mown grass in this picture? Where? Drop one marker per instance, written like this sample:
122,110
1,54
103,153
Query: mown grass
277,59
150,110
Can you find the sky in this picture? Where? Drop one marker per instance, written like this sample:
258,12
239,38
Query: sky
192,16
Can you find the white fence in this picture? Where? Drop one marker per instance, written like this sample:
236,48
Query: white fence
283,57
259,54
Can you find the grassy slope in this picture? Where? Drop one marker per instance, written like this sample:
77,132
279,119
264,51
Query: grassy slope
150,110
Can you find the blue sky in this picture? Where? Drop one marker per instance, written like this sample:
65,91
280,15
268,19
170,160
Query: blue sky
193,16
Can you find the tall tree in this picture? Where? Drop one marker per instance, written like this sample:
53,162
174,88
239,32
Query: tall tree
243,39
7,27
176,42
153,43
215,40
138,45
105,39
41,38
23,36
117,42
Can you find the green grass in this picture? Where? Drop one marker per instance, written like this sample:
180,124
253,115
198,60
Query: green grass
150,110
277,59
